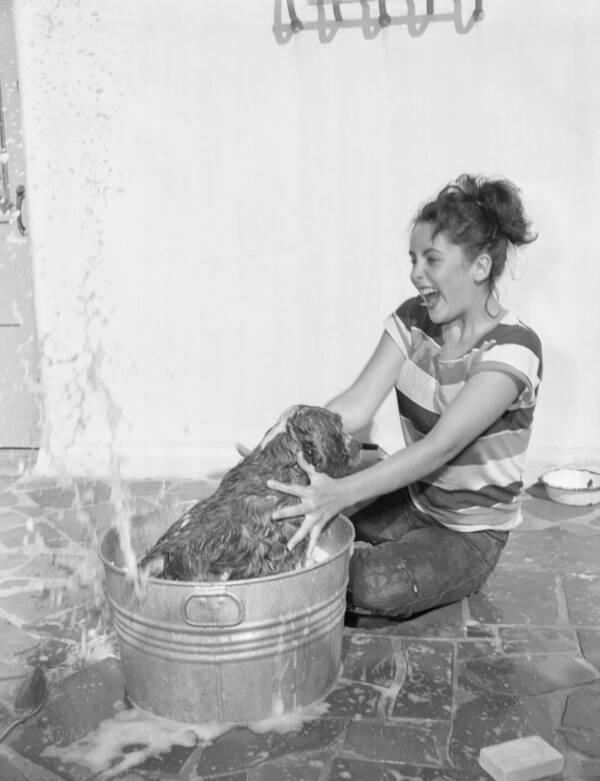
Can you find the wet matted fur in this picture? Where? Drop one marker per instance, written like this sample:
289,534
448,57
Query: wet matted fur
230,535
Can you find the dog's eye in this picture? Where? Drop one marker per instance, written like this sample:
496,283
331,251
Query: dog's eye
309,452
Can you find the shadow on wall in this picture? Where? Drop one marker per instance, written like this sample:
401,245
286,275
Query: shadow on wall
562,371
327,17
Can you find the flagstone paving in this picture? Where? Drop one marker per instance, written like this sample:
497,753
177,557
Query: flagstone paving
416,699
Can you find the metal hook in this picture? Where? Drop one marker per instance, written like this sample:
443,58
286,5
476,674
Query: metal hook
430,8
295,22
384,18
20,192
336,11
478,13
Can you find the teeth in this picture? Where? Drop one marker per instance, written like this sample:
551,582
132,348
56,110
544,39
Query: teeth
427,291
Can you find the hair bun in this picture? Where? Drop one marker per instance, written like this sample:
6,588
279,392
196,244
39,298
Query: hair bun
500,200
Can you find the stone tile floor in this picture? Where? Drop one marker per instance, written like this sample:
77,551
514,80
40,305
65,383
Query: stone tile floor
417,699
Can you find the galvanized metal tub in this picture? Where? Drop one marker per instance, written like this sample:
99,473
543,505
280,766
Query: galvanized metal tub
230,652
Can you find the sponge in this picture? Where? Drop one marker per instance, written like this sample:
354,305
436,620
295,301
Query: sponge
524,759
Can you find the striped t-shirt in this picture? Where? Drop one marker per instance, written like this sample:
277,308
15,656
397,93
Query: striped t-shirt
480,487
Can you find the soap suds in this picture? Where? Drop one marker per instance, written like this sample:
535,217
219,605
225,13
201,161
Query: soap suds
104,751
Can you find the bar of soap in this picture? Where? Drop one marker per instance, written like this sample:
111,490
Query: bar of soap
524,759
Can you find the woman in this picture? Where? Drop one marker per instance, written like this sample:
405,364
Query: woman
466,373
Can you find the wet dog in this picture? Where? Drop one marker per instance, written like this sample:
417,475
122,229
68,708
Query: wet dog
230,535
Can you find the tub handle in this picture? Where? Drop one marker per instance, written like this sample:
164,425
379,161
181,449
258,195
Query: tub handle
20,192
221,608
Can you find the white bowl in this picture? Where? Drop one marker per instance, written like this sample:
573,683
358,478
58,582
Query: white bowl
573,486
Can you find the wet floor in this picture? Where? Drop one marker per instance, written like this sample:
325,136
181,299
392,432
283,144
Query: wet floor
418,699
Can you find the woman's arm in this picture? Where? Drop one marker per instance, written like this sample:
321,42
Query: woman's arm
484,398
361,400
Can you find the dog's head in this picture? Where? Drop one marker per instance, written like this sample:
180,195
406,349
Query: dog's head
319,434
231,535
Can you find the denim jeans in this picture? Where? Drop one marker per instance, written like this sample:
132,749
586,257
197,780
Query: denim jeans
404,562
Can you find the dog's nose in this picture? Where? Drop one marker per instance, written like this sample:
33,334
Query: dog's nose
353,447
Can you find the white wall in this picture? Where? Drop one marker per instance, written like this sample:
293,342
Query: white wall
219,216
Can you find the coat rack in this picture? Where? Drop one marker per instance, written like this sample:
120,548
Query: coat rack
372,16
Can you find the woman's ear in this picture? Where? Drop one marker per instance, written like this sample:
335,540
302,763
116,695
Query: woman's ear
482,267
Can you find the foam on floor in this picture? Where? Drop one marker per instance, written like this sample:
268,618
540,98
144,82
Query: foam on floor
105,750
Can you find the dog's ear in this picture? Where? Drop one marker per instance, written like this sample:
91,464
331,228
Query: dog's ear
327,451
312,428
319,433
281,449
309,451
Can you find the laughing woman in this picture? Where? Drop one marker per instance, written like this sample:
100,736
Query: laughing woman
466,373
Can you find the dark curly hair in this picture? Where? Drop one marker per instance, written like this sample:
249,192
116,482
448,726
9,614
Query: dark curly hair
480,215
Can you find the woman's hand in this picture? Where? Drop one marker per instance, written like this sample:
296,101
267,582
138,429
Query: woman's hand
321,501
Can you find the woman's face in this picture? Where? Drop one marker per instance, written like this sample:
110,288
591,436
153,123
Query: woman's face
441,273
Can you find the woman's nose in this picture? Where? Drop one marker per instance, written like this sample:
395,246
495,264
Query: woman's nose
416,272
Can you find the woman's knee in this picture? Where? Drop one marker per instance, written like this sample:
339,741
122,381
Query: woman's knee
397,579
380,583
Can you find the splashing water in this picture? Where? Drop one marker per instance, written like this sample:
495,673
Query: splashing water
81,366
119,496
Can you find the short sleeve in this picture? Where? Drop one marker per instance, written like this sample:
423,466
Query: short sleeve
399,324
516,353
395,328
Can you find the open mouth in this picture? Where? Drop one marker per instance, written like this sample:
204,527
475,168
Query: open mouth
430,296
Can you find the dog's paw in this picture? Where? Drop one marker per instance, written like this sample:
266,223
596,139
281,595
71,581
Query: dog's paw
216,577
317,556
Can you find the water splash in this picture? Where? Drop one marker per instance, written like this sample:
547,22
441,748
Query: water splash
120,497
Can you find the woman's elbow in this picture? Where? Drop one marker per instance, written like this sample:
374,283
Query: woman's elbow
355,415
